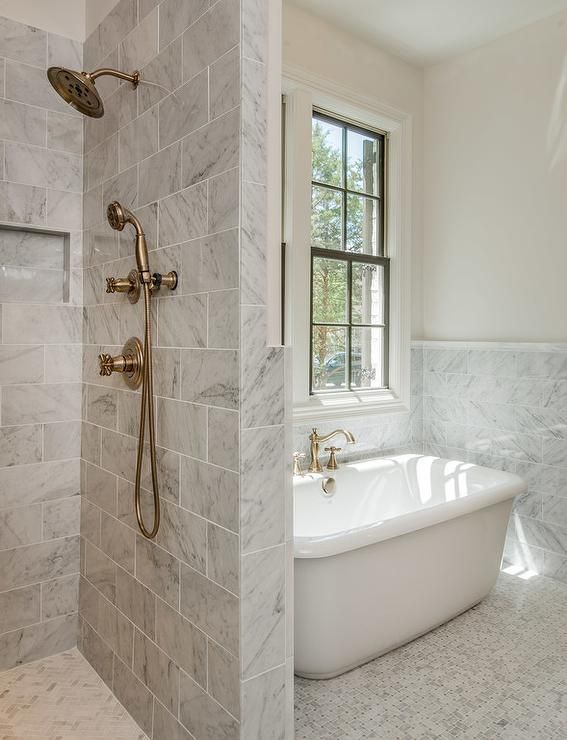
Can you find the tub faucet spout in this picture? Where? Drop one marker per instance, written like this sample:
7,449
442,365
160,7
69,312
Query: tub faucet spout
316,439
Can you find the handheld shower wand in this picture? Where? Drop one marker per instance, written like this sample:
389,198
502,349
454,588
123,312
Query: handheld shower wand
118,217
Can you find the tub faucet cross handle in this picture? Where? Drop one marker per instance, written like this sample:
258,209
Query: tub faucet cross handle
332,450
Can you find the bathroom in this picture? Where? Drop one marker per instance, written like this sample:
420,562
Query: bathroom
257,219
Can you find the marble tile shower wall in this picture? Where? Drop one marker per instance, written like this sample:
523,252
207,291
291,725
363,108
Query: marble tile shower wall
188,630
40,349
506,406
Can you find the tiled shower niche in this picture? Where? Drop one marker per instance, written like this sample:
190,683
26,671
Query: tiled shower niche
34,265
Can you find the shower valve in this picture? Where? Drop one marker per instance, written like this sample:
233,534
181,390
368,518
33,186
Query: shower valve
130,363
129,285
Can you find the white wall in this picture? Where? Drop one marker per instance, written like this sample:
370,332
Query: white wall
495,199
316,46
65,17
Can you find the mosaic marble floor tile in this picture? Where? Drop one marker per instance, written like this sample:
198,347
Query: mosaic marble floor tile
497,671
61,698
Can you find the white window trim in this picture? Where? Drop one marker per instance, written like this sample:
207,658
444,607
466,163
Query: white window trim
303,91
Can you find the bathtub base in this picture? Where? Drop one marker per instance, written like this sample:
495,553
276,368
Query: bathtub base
358,605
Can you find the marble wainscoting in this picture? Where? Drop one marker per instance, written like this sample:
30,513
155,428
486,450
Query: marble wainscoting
189,630
40,348
505,406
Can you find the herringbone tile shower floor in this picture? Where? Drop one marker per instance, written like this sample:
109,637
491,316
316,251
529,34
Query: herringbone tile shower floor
61,698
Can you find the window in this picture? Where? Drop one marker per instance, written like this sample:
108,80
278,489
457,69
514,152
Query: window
349,271
347,230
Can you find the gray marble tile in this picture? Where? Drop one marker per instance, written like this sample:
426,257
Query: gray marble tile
158,570
119,454
494,416
158,672
183,216
555,452
141,45
14,282
118,542
445,409
23,566
212,149
202,716
223,557
64,210
543,478
64,52
161,76
542,364
210,492
262,372
32,404
123,188
97,652
182,641
51,325
210,377
183,535
108,34
555,394
114,628
23,123
224,319
132,693
20,526
138,139
255,29
22,486
101,406
160,175
20,445
62,518
184,110
554,510
539,534
262,513
555,566
30,249
60,596
166,372
224,678
23,43
210,607
101,163
252,256
166,727
263,705
254,122
22,203
90,522
19,608
445,360
263,611
223,438
225,83
182,321
101,572
492,362
21,364
211,36
44,168
26,84
136,601
181,427
91,443
514,445
223,201
101,488
546,422
177,15
210,263
101,245
37,641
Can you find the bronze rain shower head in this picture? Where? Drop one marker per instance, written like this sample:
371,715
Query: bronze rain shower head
78,88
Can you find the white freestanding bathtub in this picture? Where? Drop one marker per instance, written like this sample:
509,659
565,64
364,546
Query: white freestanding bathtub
404,544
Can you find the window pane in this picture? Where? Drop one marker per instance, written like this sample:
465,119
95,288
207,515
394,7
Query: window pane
367,363
327,147
326,218
362,163
362,225
330,291
328,360
367,294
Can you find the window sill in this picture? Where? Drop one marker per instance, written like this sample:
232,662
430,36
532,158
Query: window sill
349,404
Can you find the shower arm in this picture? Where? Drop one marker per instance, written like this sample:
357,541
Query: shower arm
134,78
